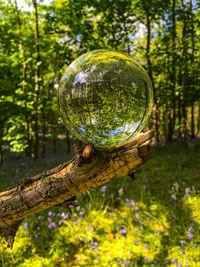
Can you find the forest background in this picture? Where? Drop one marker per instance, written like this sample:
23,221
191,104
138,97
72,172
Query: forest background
153,220
38,44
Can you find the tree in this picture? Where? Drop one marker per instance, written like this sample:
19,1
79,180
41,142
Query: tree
24,80
37,82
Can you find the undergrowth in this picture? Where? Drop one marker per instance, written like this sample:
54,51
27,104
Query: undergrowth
150,221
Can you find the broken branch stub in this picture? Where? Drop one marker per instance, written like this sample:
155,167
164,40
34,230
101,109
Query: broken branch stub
89,169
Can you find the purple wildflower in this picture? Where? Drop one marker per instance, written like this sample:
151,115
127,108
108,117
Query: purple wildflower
132,202
123,231
74,223
26,225
187,190
127,262
49,219
127,201
146,259
190,235
64,216
103,189
37,236
175,261
94,243
52,225
50,213
120,260
60,222
121,191
173,196
38,228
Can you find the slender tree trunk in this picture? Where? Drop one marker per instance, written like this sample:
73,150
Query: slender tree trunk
37,83
147,8
186,85
174,64
164,121
54,140
167,105
150,72
43,131
68,142
172,114
24,81
192,63
192,121
185,131
179,105
179,116
198,119
1,143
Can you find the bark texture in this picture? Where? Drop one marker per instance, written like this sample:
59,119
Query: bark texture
89,169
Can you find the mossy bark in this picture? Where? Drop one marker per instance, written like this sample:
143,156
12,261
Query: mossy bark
89,169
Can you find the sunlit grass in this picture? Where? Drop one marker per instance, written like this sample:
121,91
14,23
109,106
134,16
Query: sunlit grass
151,221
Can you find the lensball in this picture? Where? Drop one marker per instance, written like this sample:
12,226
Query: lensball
105,97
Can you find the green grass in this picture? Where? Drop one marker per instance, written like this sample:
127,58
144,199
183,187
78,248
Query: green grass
151,221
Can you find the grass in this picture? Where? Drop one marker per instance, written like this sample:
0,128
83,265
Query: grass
153,220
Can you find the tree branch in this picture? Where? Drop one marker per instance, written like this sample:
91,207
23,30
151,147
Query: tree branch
89,169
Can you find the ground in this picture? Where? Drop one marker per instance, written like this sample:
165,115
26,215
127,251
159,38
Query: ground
150,221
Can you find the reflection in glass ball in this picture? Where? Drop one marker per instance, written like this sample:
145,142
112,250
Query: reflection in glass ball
105,98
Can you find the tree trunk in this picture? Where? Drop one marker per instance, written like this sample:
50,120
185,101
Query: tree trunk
37,83
198,119
172,113
185,132
43,131
147,8
192,120
54,140
179,116
192,70
1,144
24,81
68,142
89,169
164,121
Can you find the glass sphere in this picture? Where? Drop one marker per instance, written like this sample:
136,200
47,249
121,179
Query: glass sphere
105,98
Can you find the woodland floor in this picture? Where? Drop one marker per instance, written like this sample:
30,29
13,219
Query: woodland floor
153,220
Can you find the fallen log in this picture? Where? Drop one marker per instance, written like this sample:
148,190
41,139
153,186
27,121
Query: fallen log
89,169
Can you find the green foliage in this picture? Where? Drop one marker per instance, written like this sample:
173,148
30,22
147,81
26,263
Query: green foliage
163,35
153,220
